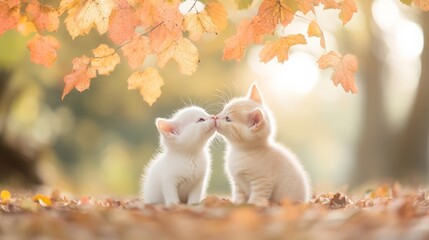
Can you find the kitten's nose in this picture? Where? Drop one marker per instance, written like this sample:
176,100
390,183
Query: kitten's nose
214,117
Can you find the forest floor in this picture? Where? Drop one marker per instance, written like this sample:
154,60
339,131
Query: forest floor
387,212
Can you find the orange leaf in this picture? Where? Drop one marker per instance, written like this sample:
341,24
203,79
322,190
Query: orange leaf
315,31
136,51
149,82
105,59
83,16
280,48
43,200
122,23
183,51
347,8
272,12
233,49
218,14
170,15
45,17
197,24
344,69
148,13
5,196
422,4
80,77
43,49
9,15
160,35
307,5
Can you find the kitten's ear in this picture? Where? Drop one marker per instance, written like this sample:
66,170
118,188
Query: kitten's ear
254,94
256,118
166,127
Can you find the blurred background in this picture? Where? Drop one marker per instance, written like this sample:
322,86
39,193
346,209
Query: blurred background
98,142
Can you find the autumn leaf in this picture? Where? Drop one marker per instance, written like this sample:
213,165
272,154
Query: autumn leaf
197,24
9,15
233,49
122,22
243,4
344,68
45,17
183,51
148,13
170,15
280,48
407,2
315,31
273,12
218,14
43,200
43,49
306,5
347,8
136,51
105,59
25,27
83,16
5,196
149,82
422,4
80,77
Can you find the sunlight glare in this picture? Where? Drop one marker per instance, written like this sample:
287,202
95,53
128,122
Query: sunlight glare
409,39
297,76
386,14
191,6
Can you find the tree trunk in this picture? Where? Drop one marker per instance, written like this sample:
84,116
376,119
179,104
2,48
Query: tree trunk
411,159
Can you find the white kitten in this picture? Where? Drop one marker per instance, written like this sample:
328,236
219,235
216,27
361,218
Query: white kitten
179,174
259,169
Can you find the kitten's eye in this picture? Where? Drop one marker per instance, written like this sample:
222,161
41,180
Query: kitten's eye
228,119
201,120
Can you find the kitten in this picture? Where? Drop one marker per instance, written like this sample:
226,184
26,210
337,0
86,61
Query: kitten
179,174
259,169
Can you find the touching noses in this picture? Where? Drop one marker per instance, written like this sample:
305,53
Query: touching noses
214,117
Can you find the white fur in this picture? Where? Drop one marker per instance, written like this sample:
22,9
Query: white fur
180,173
259,169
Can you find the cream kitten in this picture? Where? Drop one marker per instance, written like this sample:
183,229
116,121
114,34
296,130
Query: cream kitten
179,174
259,169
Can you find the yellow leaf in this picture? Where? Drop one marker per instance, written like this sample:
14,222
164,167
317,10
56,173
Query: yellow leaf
315,31
149,82
280,48
344,69
183,51
25,27
218,14
82,17
5,196
197,24
43,200
105,59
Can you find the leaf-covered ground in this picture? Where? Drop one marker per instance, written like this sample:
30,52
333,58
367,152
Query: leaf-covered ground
388,212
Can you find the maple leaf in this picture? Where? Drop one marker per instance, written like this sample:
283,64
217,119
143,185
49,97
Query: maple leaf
148,12
183,51
122,23
43,49
82,17
344,68
25,27
423,4
105,59
315,31
218,14
273,12
80,77
9,15
306,5
280,48
170,15
234,49
45,17
136,51
149,82
197,24
347,8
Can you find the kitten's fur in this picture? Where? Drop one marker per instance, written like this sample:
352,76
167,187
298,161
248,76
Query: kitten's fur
179,174
259,169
